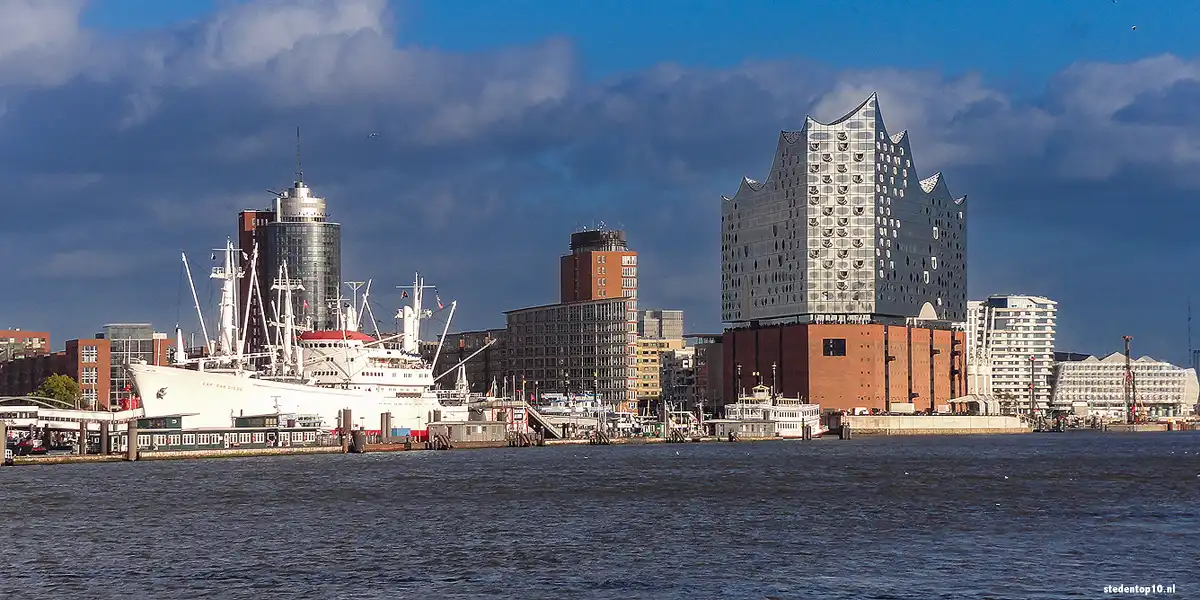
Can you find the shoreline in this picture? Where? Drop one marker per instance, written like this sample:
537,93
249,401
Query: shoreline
161,455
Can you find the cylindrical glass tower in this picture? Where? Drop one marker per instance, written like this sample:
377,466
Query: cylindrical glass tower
312,247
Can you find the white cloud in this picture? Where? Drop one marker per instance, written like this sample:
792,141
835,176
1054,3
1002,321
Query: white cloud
39,41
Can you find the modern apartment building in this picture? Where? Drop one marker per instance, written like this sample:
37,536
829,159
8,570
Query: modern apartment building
576,347
600,265
844,271
843,228
660,324
1010,350
649,368
1159,389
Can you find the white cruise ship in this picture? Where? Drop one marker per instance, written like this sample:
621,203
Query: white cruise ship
315,374
790,414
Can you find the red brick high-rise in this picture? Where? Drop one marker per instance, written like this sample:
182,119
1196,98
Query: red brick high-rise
251,232
600,266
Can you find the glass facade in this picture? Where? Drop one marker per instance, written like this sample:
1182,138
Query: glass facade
127,343
313,254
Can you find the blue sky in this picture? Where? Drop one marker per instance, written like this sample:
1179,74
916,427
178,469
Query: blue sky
132,129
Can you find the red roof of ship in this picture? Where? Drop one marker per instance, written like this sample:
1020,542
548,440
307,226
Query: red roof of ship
335,334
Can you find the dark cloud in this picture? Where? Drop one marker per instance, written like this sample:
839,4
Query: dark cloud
117,153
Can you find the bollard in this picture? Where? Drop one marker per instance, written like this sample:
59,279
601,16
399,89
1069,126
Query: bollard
345,429
83,435
131,446
105,442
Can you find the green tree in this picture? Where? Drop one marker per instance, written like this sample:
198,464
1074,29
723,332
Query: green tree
61,388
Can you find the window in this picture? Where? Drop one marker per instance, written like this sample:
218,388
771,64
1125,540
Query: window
834,347
88,375
88,354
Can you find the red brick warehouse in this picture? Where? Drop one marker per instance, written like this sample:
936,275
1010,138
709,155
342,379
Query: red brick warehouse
842,367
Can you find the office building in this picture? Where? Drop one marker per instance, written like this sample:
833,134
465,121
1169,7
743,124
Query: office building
577,347
649,369
844,272
1010,351
303,237
600,265
129,342
660,324
1097,385
296,231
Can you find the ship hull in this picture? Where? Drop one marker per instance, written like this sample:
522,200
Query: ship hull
209,399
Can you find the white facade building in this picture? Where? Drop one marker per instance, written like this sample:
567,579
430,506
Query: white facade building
1010,346
843,225
1161,389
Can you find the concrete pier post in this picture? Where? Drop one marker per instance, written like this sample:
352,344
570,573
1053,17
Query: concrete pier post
105,442
131,447
346,429
4,434
385,427
83,438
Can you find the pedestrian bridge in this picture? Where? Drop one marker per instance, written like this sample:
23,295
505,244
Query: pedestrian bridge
25,411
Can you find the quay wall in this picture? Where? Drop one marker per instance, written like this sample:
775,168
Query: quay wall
933,424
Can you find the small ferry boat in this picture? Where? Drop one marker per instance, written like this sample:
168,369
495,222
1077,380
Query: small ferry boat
789,414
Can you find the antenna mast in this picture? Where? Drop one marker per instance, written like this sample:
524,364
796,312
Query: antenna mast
1191,359
299,165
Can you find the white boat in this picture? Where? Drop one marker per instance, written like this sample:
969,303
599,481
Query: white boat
313,375
789,414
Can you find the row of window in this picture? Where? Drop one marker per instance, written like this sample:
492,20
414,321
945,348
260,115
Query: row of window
214,439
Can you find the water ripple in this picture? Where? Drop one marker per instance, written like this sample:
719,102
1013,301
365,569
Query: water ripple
1038,516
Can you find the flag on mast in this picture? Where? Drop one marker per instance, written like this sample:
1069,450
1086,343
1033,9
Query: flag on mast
439,301
403,293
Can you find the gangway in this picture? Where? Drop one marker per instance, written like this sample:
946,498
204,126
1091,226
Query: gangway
540,422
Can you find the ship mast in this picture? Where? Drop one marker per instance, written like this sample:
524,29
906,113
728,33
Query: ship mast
410,316
284,287
227,336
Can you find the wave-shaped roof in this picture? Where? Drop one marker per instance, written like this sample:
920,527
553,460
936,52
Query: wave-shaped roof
844,117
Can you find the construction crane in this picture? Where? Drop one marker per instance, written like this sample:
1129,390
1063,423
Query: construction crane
1133,412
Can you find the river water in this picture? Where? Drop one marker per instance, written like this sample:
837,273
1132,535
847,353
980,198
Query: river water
1019,516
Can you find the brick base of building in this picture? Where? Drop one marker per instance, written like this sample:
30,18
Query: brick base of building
848,366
